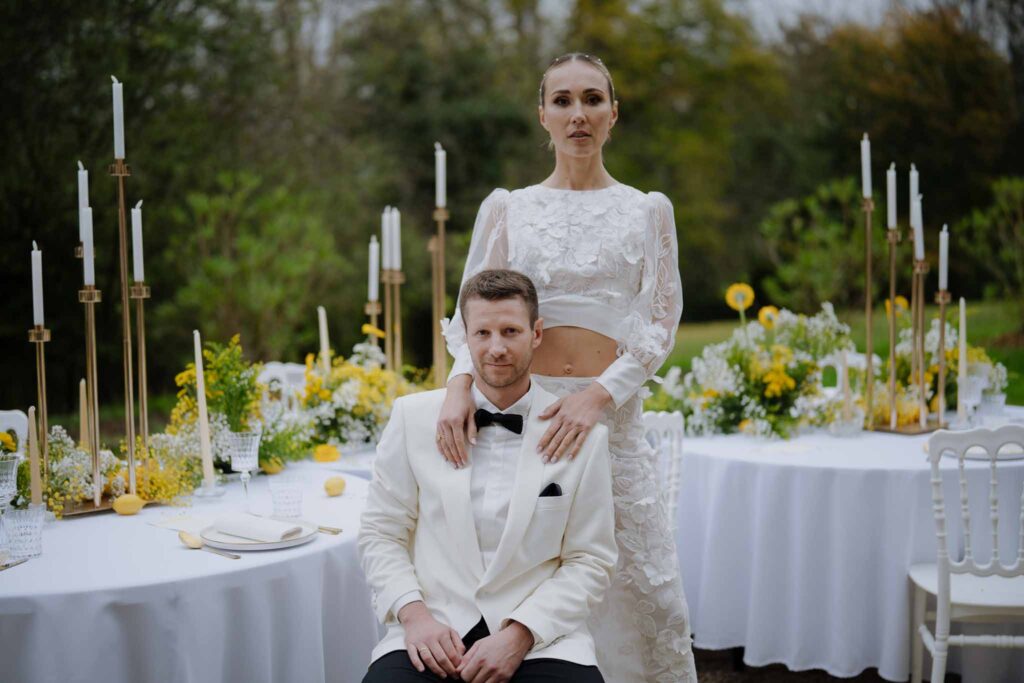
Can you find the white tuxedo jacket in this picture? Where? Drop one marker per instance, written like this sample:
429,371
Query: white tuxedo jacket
555,557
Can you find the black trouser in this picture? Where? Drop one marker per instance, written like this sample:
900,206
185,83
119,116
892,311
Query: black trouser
396,667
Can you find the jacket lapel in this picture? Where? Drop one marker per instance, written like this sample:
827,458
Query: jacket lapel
529,476
458,510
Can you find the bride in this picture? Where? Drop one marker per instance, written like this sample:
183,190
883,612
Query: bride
603,257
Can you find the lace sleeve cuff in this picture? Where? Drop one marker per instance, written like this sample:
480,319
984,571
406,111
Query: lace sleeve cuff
463,364
623,378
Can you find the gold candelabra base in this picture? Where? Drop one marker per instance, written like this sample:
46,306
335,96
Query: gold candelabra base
139,293
393,280
39,336
942,298
868,207
438,303
893,236
121,170
372,310
90,296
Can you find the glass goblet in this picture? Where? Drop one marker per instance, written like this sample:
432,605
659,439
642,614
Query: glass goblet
8,487
245,456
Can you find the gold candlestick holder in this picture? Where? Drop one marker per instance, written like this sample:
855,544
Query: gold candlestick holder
120,170
437,249
397,279
39,335
372,310
140,292
389,312
868,207
920,270
90,296
893,237
942,298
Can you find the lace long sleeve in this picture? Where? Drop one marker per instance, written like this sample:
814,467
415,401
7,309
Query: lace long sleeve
648,332
488,248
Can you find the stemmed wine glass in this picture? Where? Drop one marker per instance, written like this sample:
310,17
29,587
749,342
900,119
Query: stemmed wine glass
245,456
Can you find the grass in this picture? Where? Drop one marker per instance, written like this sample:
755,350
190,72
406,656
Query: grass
987,324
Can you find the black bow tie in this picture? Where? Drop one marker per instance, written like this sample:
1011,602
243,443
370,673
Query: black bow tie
513,423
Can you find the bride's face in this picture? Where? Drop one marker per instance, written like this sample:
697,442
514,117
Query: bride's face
577,110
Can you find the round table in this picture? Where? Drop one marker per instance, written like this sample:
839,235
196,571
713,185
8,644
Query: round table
798,550
117,599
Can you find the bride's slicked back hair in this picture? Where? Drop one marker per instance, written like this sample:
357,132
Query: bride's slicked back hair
574,57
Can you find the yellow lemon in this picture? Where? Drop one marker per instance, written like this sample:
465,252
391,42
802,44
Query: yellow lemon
128,504
335,486
273,466
325,452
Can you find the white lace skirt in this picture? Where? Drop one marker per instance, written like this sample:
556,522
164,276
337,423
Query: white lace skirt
642,628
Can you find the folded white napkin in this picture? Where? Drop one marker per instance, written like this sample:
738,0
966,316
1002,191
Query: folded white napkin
256,528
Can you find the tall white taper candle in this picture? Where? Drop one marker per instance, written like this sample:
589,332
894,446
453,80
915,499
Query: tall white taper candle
440,176
205,448
396,241
88,264
83,186
865,166
373,284
37,285
385,238
890,196
137,270
325,343
118,119
919,228
914,182
944,258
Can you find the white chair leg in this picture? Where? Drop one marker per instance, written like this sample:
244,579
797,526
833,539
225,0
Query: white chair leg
941,646
917,619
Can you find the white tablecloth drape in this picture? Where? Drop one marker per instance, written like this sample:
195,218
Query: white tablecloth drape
116,599
798,550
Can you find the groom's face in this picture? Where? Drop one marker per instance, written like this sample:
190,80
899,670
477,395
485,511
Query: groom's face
501,339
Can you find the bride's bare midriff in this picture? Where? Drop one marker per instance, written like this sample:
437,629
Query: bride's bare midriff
573,352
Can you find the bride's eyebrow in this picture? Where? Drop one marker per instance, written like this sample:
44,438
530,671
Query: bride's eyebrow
599,91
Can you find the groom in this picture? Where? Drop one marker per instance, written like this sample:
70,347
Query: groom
487,573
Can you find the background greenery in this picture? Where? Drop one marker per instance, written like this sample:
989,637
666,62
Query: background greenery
265,137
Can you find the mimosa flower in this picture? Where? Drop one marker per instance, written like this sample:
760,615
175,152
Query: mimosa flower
767,316
739,296
901,306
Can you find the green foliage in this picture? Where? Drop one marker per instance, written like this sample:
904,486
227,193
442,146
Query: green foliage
231,387
994,238
816,245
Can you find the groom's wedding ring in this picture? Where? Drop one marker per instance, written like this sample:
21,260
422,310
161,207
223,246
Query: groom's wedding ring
424,648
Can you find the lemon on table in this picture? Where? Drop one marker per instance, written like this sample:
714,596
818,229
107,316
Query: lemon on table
273,466
335,486
325,452
128,504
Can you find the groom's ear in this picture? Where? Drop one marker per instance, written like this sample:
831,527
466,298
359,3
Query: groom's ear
538,332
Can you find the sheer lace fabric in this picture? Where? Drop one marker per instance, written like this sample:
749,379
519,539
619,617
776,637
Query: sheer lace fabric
605,260
642,628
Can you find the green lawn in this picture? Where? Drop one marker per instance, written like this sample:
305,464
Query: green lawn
985,323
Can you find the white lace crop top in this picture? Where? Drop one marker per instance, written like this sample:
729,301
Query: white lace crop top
605,260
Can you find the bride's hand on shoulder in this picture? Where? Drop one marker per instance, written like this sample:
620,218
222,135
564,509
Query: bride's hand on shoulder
572,418
455,426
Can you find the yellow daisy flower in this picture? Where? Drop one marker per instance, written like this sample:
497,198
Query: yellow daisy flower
739,296
767,316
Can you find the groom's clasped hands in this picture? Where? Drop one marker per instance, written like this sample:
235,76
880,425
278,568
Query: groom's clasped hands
435,646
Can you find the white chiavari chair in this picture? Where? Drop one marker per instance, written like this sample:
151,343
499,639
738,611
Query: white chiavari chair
966,590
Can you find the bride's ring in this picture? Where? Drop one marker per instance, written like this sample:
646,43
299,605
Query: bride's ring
440,438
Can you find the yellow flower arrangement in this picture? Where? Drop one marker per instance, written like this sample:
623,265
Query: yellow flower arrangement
767,316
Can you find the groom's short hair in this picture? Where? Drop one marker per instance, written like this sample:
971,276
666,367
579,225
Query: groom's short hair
497,285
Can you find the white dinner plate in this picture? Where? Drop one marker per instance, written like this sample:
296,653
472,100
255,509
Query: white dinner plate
216,539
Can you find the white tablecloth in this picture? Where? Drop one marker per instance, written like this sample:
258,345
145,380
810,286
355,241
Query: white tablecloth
798,550
115,599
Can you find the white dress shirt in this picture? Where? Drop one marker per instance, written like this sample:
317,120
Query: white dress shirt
492,476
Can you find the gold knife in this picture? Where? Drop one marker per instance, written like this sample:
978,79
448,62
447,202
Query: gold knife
12,564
